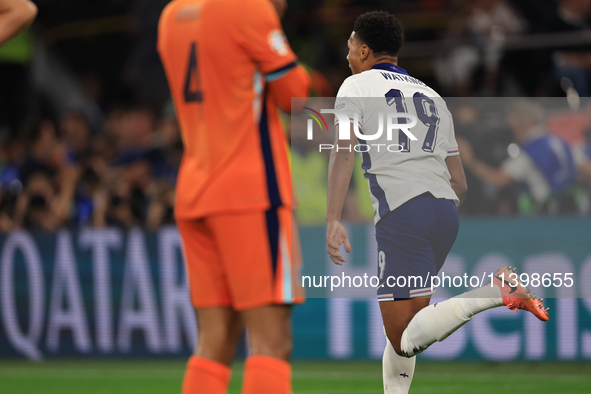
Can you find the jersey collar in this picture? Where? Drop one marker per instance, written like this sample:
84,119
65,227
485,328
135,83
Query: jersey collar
389,67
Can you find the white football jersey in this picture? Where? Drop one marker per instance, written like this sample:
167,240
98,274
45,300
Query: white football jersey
399,168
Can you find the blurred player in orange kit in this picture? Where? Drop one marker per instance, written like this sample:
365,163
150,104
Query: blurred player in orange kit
15,16
229,68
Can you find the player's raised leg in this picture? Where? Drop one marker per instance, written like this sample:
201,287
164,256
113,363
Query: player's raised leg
415,240
436,322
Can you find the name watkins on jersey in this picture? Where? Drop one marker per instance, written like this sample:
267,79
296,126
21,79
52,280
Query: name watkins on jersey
399,121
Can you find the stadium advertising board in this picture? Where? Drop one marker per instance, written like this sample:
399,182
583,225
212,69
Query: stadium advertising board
123,293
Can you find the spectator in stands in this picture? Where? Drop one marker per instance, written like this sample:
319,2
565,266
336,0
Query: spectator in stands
44,150
135,133
468,124
34,205
40,207
6,212
88,194
573,63
11,155
167,149
11,152
582,155
542,163
487,25
161,205
108,143
118,210
140,141
586,151
75,131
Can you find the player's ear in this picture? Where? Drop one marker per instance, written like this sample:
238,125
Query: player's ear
364,52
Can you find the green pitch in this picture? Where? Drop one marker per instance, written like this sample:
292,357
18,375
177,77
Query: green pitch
164,376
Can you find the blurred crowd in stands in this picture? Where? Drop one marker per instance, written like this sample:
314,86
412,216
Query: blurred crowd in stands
88,134
62,174
534,156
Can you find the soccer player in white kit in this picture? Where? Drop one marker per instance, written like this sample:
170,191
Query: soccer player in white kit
416,181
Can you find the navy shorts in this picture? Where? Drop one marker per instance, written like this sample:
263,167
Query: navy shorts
413,242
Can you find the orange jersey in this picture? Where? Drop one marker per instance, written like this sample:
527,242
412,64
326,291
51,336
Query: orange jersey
219,57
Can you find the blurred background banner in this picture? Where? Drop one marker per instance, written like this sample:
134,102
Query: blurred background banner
101,291
112,292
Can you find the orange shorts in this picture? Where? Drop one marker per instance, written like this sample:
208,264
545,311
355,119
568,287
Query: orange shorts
243,260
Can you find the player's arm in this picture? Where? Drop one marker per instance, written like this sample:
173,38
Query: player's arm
262,37
458,178
15,16
283,85
340,169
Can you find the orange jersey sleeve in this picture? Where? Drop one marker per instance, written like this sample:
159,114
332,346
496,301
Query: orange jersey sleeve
296,83
262,37
219,56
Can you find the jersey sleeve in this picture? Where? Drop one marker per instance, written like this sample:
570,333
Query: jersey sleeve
349,100
452,144
296,83
262,37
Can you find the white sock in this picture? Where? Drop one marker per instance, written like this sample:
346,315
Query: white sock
397,371
438,321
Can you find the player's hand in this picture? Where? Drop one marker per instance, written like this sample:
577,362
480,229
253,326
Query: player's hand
336,234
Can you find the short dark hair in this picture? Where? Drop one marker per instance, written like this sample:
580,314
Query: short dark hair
382,33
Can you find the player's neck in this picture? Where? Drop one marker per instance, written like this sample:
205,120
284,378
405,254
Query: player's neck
380,60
